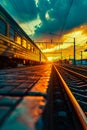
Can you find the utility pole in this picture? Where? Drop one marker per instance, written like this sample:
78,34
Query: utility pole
61,55
74,51
81,57
69,57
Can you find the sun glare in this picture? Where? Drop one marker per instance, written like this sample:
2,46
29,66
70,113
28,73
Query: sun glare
80,35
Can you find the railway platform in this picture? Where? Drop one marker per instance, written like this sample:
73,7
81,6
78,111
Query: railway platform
23,97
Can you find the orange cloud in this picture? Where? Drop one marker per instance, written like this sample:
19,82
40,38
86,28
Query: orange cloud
65,44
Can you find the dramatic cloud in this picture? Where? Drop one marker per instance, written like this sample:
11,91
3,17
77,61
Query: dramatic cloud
61,16
78,14
54,16
23,10
45,20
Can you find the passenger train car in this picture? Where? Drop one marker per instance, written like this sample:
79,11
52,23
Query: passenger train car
15,45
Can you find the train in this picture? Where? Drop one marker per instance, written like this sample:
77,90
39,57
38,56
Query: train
16,47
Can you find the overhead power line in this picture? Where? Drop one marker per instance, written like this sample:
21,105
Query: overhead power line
65,20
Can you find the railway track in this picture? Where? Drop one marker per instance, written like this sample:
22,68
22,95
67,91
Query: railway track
77,83
62,110
40,98
79,69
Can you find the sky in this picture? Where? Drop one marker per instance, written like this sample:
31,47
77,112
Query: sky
52,24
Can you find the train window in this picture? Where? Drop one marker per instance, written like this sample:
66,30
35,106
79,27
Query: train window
32,49
18,40
24,43
3,27
35,51
11,33
29,46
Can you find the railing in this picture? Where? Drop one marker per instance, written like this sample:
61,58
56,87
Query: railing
81,115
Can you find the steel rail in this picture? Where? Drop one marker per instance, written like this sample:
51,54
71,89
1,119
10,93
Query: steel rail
76,73
78,68
81,116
